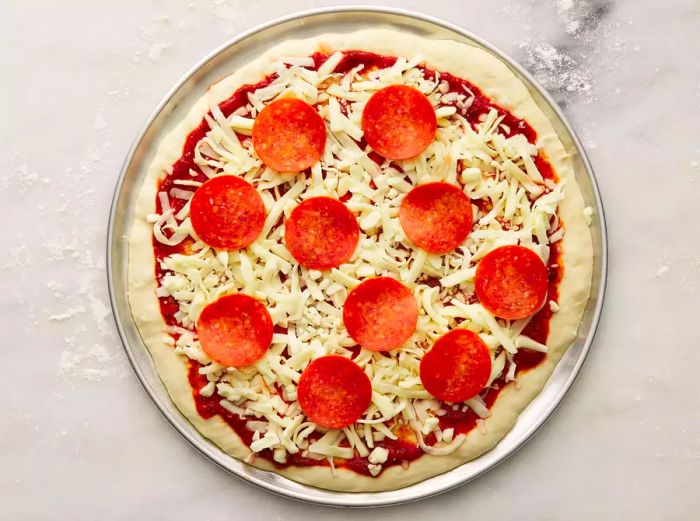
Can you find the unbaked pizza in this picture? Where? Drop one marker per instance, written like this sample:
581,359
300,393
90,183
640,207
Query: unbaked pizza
359,257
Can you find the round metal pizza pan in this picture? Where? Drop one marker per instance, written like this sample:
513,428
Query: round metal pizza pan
172,109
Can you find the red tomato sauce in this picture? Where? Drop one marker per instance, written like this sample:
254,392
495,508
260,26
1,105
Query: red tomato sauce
403,450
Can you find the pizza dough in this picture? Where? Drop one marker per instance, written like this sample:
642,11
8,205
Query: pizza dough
497,82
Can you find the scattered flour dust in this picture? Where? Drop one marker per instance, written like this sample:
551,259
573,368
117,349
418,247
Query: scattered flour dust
82,362
100,313
78,309
663,270
18,259
155,51
23,180
59,248
585,48
569,15
65,245
90,351
56,288
82,357
554,69
555,65
23,421
155,36
68,313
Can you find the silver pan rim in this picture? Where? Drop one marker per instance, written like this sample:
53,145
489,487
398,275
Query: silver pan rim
274,482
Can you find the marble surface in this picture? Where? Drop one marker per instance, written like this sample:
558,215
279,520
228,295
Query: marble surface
79,437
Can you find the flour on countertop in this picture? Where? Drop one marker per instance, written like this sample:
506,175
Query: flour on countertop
99,312
60,248
19,258
581,16
567,15
154,34
85,363
68,232
662,271
56,288
155,51
83,358
99,122
91,161
23,420
22,180
555,69
68,313
568,64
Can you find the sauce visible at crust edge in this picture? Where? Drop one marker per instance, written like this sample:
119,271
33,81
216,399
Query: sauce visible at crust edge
400,452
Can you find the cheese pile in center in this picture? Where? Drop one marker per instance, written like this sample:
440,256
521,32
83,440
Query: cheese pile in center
520,207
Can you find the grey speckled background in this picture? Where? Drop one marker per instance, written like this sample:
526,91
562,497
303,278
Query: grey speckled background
79,437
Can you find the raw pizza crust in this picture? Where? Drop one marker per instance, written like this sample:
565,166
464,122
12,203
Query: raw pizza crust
498,83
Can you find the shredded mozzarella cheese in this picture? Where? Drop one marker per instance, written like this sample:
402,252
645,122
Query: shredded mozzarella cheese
520,208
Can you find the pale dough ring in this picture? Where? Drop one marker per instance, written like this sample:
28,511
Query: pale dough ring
497,82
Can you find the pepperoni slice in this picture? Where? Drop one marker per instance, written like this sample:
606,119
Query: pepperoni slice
511,282
380,314
436,216
235,330
399,122
321,233
227,212
334,391
289,135
457,367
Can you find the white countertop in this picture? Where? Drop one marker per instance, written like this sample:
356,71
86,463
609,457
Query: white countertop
80,438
